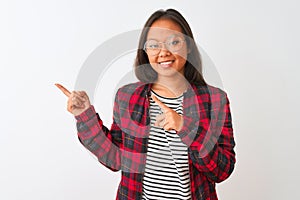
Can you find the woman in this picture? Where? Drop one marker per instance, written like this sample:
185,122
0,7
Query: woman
172,134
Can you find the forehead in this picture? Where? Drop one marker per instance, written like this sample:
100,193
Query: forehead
163,28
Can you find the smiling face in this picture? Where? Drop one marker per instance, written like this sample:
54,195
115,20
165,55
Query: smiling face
170,60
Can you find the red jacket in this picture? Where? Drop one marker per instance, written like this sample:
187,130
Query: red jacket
207,132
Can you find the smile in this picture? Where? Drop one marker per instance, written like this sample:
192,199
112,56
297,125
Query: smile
166,63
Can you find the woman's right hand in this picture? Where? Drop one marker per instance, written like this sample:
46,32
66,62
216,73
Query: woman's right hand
78,101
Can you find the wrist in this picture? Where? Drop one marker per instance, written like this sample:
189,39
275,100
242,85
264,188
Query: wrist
86,114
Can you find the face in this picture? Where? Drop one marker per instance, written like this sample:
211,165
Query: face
168,59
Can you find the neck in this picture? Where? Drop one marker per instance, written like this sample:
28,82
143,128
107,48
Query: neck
170,86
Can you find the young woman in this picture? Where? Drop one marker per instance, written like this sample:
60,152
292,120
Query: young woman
172,135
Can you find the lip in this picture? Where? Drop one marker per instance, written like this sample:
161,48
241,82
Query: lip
168,63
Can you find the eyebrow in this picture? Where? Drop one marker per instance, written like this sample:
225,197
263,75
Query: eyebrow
152,38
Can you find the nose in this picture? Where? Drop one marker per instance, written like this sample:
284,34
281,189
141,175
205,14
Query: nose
163,50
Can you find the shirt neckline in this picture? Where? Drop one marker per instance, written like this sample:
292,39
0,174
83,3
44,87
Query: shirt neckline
174,98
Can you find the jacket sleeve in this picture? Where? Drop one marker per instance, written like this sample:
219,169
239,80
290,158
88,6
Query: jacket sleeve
104,143
212,148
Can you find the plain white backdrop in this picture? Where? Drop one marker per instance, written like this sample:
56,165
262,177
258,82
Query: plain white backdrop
253,44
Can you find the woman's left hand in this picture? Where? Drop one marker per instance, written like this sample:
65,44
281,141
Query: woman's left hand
170,119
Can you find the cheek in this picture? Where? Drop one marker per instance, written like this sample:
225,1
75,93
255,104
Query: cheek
181,58
181,62
181,55
151,59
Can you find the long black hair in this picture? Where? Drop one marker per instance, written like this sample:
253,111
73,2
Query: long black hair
193,66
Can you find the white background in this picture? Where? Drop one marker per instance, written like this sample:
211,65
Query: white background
253,44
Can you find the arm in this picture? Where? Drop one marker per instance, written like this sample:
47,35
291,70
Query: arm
211,150
102,142
105,144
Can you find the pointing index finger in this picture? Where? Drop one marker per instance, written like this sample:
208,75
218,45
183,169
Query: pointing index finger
63,89
160,104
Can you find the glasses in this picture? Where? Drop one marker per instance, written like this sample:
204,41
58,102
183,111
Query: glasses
173,44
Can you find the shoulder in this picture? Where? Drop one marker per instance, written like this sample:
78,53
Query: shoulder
128,90
132,87
211,91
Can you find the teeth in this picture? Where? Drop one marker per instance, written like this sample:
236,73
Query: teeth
166,63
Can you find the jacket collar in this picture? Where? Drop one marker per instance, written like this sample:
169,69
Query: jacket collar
146,89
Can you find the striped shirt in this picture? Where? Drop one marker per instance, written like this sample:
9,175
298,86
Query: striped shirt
167,170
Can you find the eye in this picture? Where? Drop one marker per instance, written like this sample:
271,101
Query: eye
174,43
152,44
